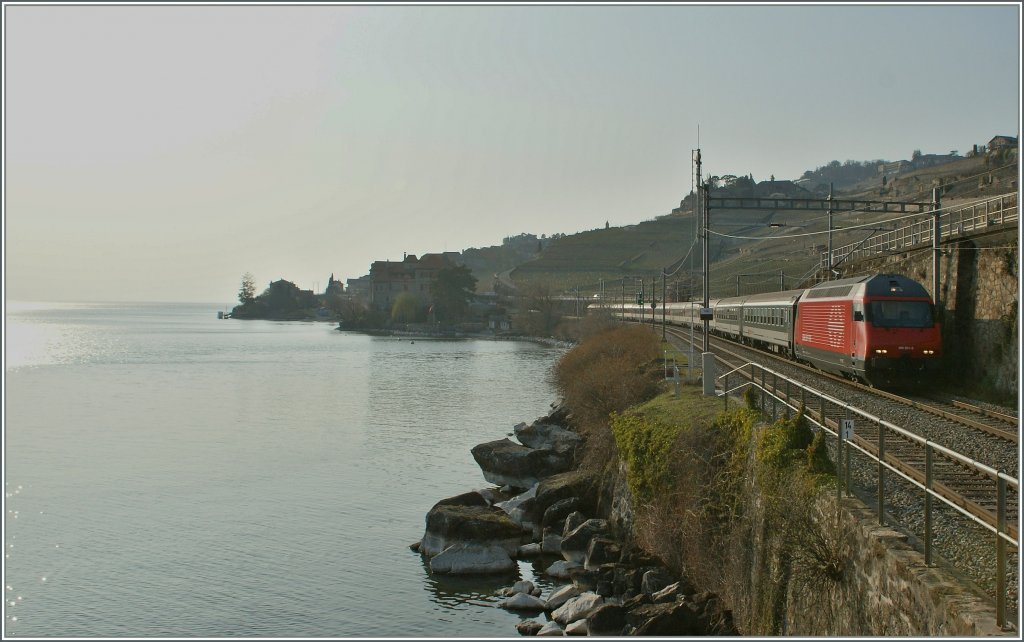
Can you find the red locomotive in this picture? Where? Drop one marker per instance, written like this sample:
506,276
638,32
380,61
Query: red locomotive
880,329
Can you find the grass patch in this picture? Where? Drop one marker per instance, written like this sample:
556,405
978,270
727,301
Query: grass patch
648,438
669,352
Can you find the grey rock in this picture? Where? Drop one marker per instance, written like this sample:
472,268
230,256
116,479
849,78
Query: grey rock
561,596
529,551
557,512
676,619
601,550
573,521
561,568
521,508
670,593
467,559
574,483
607,620
522,602
579,627
577,608
505,462
451,523
548,437
552,543
576,543
529,627
584,579
550,628
654,580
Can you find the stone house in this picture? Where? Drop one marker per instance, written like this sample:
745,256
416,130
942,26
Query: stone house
1000,142
389,279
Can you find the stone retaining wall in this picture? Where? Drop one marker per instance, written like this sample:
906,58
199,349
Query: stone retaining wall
890,591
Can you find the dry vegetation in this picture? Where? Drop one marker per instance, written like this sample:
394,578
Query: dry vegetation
607,372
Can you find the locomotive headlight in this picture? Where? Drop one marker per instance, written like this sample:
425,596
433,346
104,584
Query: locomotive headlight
928,351
881,351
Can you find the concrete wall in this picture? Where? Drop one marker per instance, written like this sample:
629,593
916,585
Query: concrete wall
979,285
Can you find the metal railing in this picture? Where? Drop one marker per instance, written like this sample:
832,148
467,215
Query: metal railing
963,220
777,390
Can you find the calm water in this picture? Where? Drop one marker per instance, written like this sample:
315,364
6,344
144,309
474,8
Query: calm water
170,474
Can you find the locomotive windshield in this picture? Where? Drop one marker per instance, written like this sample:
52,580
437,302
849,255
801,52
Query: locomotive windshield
900,314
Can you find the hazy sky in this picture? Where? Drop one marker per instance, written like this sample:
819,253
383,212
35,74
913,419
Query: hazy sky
158,152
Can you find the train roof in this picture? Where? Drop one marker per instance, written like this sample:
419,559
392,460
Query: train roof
874,285
787,297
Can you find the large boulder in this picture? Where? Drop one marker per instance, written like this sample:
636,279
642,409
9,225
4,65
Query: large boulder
559,415
574,483
504,462
561,596
548,437
561,569
454,523
600,551
523,602
551,542
607,620
577,608
572,522
557,512
576,543
466,559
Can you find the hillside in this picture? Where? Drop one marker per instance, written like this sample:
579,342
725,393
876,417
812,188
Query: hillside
612,254
753,250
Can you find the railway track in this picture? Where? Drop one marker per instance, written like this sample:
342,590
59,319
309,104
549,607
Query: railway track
989,437
938,444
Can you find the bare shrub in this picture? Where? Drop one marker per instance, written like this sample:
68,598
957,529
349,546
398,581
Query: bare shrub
607,373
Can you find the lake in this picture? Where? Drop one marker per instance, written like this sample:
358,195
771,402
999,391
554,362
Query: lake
169,474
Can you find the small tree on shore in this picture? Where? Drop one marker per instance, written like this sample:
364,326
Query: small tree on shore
406,308
247,293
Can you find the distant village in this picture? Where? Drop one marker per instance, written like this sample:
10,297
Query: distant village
404,292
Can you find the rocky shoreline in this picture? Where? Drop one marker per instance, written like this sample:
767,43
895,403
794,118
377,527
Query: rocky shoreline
544,505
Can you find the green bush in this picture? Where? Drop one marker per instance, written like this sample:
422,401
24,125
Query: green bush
818,462
784,442
752,397
646,446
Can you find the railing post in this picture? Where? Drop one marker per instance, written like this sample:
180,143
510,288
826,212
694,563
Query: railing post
881,474
839,456
1001,551
846,477
928,503
764,399
725,390
788,404
775,396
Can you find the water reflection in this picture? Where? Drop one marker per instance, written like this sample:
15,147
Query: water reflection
458,591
